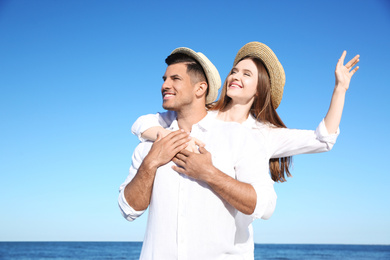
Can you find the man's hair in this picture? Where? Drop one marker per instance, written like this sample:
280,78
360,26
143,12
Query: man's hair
194,69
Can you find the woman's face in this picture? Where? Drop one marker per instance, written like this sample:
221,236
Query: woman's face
242,82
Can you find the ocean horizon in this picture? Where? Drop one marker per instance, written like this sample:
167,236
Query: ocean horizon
20,250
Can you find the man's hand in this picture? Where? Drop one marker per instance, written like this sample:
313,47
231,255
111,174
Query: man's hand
139,191
240,195
198,166
165,148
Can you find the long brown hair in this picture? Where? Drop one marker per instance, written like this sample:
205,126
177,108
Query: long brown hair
263,110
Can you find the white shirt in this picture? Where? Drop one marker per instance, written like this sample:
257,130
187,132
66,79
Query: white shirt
275,142
187,220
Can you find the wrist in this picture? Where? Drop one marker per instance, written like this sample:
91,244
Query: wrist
151,163
340,88
212,176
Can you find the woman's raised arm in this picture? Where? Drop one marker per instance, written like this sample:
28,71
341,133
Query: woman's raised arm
343,75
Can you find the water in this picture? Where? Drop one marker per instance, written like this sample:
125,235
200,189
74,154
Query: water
131,250
295,252
70,250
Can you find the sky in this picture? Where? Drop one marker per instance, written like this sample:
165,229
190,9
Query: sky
75,75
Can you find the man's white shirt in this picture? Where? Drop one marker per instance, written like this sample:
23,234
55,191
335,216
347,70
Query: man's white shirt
187,219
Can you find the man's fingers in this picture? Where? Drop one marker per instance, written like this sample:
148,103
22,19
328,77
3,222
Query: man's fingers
181,138
202,150
180,156
178,169
185,153
176,150
178,162
177,140
175,134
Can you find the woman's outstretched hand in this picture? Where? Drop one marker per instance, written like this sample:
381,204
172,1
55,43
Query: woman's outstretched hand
345,72
343,75
194,144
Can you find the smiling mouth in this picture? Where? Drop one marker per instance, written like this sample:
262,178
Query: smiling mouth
168,95
234,86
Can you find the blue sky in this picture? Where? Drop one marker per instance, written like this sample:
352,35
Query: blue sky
74,76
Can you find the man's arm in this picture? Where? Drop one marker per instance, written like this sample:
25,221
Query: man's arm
138,192
242,196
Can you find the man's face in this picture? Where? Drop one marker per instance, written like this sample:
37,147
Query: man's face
177,90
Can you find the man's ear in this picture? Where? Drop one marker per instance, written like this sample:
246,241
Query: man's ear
201,89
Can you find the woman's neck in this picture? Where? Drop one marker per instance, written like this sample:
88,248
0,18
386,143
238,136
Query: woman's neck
234,113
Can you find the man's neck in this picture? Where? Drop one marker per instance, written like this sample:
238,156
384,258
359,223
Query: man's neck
186,118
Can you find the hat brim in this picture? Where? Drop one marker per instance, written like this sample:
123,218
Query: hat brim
212,74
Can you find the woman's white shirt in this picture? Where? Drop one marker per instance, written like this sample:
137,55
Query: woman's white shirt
276,142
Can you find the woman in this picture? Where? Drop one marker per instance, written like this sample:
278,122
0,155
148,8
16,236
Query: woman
251,93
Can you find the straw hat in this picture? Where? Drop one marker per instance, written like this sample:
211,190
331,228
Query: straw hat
211,71
272,64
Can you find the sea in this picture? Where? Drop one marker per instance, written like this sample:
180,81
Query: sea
131,250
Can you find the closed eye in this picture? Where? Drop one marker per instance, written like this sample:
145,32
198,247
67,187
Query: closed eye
248,73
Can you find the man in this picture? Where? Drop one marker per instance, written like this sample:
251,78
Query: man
197,214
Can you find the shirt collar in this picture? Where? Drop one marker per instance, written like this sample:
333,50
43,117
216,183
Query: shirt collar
251,122
208,120
174,125
204,124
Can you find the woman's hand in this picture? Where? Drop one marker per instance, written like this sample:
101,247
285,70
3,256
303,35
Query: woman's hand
345,72
152,133
343,75
194,144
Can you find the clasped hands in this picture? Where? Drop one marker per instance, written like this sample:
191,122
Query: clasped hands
183,150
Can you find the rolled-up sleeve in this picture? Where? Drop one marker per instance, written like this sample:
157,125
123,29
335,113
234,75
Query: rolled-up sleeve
126,210
324,137
266,199
283,142
145,122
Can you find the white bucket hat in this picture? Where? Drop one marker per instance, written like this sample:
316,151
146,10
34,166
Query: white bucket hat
212,74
